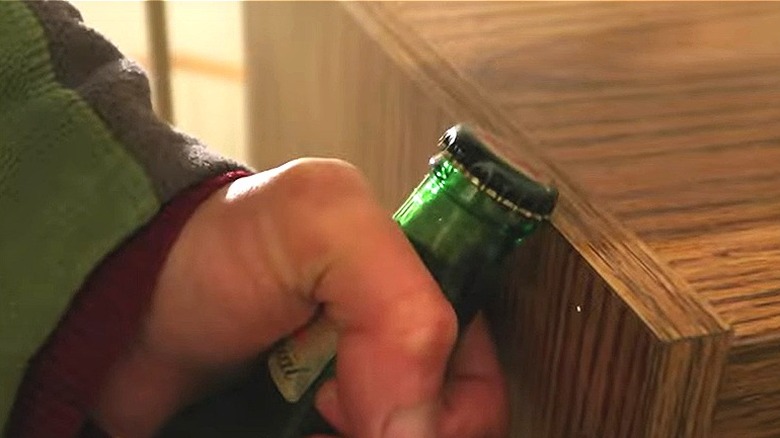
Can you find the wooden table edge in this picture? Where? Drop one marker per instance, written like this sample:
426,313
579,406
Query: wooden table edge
668,305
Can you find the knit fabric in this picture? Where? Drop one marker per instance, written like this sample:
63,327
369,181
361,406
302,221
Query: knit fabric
69,193
64,379
83,165
117,90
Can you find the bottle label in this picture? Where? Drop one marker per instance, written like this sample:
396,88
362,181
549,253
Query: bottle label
299,360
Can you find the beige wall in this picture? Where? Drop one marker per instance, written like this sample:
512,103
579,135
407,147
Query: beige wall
206,57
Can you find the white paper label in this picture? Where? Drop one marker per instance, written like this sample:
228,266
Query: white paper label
299,360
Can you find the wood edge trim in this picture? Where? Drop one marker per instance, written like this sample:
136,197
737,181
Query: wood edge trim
684,363
627,265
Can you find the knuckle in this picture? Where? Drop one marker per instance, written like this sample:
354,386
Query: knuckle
313,202
322,177
430,333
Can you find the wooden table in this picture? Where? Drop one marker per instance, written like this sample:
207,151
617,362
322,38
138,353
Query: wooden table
652,307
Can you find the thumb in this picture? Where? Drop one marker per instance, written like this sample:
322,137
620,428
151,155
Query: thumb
396,332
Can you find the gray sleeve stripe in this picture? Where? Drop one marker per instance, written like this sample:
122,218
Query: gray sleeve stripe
118,91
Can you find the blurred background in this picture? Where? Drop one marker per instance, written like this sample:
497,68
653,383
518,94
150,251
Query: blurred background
285,87
205,56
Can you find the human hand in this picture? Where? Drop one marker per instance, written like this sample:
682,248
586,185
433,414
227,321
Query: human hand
263,256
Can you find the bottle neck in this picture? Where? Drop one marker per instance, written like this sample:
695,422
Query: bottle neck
461,233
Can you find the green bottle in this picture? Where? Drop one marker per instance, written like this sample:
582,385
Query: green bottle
467,214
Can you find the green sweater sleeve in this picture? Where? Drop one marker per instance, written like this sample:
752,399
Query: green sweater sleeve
84,163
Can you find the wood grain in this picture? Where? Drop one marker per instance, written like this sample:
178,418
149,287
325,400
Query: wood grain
668,116
659,122
584,365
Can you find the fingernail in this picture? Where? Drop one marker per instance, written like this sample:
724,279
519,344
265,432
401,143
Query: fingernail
414,422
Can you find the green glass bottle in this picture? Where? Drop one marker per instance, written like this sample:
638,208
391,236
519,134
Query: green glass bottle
466,215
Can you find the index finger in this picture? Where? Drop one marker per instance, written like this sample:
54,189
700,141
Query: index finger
396,329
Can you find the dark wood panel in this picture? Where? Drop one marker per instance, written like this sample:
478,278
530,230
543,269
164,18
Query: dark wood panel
585,365
581,356
741,410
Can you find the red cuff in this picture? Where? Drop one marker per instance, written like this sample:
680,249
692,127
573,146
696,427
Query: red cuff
64,378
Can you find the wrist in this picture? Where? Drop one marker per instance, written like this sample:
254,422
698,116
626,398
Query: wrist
64,380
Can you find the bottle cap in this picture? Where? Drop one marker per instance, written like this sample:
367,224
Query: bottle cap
513,185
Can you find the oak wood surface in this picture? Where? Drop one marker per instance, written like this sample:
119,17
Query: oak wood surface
666,115
659,123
